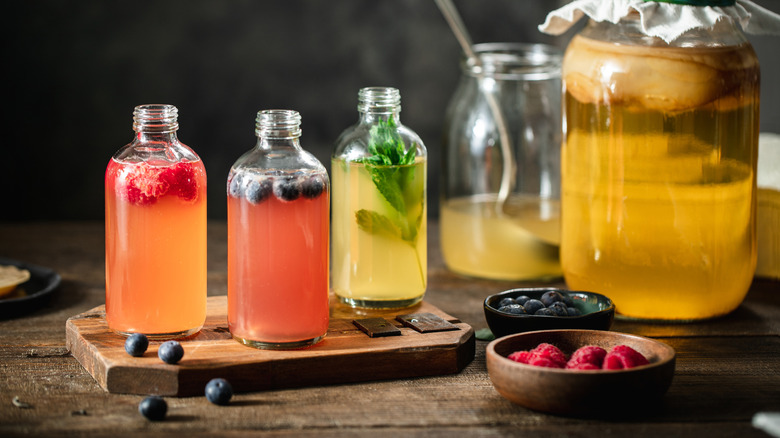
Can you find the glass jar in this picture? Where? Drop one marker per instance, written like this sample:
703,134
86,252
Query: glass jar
278,217
501,173
156,231
659,168
379,170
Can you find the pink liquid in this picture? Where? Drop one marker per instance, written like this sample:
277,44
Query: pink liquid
156,248
278,271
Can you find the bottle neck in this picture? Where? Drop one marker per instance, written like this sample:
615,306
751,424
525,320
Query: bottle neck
370,117
156,124
278,129
377,104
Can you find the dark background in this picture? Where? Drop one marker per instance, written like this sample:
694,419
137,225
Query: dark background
75,69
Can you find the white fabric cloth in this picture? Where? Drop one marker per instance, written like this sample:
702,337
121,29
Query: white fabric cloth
664,20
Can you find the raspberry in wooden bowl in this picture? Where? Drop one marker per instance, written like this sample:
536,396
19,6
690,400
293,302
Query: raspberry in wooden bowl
578,392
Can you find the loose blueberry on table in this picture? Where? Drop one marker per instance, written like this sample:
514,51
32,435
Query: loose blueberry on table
219,391
170,352
153,408
136,344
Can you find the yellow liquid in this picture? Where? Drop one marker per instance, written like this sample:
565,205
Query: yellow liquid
377,269
518,242
658,198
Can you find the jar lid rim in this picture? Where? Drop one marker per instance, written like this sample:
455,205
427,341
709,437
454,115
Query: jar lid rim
515,61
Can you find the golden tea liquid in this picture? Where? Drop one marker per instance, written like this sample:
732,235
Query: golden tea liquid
658,176
520,242
387,265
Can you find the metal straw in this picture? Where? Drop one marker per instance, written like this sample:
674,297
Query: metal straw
459,29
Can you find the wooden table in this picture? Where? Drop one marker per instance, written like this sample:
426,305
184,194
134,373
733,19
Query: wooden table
727,369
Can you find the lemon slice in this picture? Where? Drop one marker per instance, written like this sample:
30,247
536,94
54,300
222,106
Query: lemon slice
10,277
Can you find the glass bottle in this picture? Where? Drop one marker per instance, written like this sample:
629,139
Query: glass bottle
500,203
156,231
659,168
278,219
379,170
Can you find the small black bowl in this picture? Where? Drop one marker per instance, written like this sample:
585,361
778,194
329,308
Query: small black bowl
597,313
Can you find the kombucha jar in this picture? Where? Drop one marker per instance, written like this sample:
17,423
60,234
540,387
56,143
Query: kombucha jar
379,169
659,168
278,224
155,191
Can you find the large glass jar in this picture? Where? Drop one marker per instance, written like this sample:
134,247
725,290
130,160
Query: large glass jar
156,231
379,207
278,217
659,168
501,175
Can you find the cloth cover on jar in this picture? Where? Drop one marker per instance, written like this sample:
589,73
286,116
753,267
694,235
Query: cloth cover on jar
664,20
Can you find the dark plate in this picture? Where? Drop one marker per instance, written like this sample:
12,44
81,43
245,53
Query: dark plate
597,310
31,294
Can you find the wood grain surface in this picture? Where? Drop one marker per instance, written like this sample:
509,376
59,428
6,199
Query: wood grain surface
346,354
727,369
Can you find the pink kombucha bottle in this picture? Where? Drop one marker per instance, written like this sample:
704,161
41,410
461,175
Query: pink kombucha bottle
278,225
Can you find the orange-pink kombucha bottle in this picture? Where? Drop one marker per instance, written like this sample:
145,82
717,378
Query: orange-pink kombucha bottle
156,231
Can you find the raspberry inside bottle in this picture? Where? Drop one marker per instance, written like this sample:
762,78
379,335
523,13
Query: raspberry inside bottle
155,190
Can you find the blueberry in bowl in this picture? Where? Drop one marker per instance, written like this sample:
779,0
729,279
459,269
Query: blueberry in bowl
547,309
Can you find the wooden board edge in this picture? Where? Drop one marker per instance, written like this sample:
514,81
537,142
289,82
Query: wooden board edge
171,380
338,370
85,353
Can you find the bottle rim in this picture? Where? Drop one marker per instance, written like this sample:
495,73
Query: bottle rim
278,123
515,61
161,118
381,100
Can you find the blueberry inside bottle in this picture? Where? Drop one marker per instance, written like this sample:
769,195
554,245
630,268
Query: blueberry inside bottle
278,238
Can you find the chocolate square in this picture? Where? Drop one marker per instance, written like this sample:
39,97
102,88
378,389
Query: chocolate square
377,327
426,322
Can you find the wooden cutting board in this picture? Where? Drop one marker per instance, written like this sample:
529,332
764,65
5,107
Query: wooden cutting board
345,355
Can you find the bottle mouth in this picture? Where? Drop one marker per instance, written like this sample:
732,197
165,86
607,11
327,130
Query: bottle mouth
516,61
278,123
379,100
155,118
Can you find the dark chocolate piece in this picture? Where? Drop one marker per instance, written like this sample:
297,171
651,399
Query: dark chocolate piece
426,322
377,327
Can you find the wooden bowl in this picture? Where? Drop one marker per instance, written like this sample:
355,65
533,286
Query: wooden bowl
581,393
598,312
